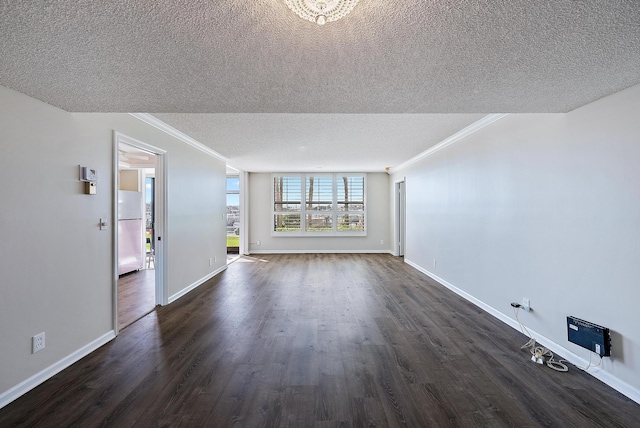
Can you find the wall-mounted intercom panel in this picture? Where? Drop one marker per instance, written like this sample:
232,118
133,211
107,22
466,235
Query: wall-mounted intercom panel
89,176
589,335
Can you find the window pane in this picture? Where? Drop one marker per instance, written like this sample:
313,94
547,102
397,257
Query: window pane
233,211
233,184
287,193
350,193
233,199
351,223
319,193
286,223
319,222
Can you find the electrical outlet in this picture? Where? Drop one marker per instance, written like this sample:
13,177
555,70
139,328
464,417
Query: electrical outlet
526,304
434,262
210,261
215,259
37,343
258,243
382,242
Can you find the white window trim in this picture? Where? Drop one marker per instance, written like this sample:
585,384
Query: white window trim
334,211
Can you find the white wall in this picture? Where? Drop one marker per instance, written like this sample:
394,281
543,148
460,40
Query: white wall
261,222
544,206
55,264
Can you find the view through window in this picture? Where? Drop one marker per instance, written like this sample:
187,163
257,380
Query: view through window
233,214
319,204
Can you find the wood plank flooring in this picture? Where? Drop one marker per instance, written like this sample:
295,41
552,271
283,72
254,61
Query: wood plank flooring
136,296
318,341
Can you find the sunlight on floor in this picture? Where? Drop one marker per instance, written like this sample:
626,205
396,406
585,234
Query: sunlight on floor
245,259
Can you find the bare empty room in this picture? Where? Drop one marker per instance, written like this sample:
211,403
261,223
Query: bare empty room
434,210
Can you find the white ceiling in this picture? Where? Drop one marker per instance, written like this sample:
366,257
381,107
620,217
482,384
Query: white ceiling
251,79
319,142
130,157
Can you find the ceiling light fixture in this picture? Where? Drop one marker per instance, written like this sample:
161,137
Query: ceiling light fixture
321,11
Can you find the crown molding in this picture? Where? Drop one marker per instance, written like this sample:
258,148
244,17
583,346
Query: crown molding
157,123
476,126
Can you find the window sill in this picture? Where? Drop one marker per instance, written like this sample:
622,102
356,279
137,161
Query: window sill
318,235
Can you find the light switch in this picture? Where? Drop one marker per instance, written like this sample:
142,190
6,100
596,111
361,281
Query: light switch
103,224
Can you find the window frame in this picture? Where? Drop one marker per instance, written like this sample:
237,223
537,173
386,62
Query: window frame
306,211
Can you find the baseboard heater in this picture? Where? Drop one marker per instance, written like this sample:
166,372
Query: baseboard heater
589,335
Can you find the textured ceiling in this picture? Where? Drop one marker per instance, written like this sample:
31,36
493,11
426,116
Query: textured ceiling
238,56
319,142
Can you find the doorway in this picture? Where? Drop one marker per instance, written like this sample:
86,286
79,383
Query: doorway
139,214
400,218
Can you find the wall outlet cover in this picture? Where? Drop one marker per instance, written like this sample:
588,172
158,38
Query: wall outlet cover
37,343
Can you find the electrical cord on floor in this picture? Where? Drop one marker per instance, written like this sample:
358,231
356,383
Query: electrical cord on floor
539,353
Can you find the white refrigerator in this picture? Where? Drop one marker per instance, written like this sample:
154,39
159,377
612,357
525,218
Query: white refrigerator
130,231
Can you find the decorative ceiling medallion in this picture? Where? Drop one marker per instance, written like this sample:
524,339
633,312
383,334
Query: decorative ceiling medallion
321,11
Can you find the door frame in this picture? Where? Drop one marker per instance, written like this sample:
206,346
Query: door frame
400,211
160,226
244,204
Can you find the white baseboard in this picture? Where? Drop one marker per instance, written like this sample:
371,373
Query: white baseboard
35,380
199,282
321,252
597,372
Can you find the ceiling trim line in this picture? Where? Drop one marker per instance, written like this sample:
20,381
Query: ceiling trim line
476,126
157,123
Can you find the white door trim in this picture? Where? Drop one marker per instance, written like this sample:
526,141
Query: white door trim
244,209
160,219
399,230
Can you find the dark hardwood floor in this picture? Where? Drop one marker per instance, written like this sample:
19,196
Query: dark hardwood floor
136,296
319,341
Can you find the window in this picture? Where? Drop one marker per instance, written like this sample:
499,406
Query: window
233,214
319,205
319,212
287,201
350,201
